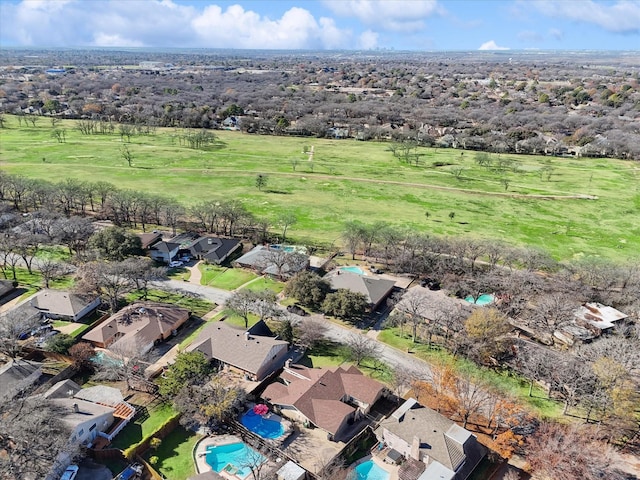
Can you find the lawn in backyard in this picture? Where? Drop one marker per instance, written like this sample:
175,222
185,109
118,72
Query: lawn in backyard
144,425
226,278
572,207
175,454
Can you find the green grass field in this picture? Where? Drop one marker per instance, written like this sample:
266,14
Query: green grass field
265,283
351,180
224,277
175,454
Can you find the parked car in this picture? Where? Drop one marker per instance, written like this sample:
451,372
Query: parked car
175,264
297,309
40,342
70,473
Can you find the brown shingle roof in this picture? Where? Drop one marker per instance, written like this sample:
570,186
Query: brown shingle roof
138,324
318,393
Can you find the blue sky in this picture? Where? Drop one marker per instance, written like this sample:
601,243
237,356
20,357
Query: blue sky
324,24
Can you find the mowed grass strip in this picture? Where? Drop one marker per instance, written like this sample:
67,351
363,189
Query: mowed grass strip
351,180
224,277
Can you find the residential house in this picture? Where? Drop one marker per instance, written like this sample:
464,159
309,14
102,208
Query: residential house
85,419
212,249
419,434
18,375
64,305
255,351
598,317
275,262
150,238
329,398
96,414
164,251
138,326
376,290
430,304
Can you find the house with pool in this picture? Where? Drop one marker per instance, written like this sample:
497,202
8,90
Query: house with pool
333,399
280,261
255,352
138,326
433,447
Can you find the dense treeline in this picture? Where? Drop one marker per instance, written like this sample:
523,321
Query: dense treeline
515,103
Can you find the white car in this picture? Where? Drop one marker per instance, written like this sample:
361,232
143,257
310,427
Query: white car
175,264
70,473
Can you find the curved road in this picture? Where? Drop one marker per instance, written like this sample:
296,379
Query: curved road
337,333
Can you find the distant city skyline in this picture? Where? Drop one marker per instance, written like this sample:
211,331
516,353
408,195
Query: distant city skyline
324,24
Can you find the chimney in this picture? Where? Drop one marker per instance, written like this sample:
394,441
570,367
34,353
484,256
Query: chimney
415,448
247,336
210,241
287,364
75,408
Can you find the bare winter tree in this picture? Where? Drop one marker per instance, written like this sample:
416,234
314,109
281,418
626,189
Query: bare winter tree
560,451
309,332
34,440
12,324
51,270
125,361
104,278
361,348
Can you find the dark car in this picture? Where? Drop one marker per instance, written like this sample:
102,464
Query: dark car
297,309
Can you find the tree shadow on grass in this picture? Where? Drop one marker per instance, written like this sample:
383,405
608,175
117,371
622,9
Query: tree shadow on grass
327,349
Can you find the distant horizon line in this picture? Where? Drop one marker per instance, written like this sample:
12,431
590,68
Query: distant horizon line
376,50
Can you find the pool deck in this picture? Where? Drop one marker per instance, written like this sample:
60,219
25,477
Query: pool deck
392,470
200,450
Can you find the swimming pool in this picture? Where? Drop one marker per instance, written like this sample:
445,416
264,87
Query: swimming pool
264,427
357,270
234,458
484,299
370,471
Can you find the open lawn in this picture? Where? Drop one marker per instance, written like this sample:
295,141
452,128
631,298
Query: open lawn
32,282
525,200
265,283
502,381
331,354
224,277
143,426
175,454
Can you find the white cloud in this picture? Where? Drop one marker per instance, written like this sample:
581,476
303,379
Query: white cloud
239,28
623,16
400,15
163,23
491,45
368,40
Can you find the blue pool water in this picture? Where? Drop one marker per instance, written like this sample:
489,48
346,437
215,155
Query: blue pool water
370,471
262,426
484,299
357,270
239,455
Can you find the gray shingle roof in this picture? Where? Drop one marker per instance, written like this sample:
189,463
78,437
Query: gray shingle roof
232,346
375,289
440,438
